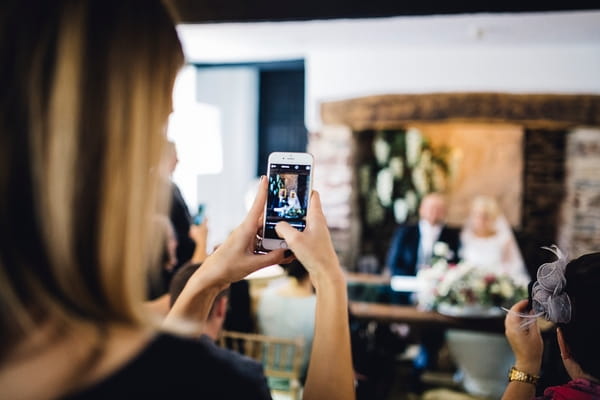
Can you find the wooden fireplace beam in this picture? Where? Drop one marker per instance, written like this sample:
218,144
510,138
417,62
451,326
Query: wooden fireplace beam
533,111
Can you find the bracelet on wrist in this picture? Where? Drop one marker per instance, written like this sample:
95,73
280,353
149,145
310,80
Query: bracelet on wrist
521,376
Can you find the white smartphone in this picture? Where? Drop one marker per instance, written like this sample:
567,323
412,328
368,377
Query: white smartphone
290,184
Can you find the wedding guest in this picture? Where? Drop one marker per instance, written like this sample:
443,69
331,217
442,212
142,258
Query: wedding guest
180,215
159,273
487,241
288,309
251,369
216,315
85,101
566,294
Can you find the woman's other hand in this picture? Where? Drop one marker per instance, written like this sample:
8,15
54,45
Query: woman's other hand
526,342
199,234
314,249
235,258
313,246
232,261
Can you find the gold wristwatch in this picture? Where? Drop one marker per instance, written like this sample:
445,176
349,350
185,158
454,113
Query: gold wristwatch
520,376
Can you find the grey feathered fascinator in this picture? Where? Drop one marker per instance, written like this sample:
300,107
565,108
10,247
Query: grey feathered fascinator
548,297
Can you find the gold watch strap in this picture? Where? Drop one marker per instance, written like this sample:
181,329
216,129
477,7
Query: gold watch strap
520,376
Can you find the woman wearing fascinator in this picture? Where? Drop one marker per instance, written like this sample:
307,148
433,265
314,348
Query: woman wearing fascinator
566,294
487,241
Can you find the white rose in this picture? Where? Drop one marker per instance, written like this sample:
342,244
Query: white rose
414,141
478,286
441,249
411,200
381,148
444,287
495,288
506,289
400,210
385,186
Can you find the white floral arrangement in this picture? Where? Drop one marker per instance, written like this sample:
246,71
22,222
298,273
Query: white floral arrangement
406,168
462,286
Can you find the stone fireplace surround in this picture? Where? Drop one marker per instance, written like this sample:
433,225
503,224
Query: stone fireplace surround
545,118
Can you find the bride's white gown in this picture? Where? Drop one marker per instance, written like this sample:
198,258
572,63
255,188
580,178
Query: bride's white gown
499,253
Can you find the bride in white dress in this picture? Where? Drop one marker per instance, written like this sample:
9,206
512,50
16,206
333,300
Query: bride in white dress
487,241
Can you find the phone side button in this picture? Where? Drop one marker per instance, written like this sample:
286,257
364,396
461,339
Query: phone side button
283,245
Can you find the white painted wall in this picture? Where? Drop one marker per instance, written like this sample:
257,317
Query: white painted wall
235,93
532,52
226,107
334,75
196,130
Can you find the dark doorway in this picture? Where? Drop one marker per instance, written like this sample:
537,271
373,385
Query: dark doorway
280,111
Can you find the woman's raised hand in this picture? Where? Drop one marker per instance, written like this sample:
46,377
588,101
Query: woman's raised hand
313,246
526,342
236,258
233,260
331,341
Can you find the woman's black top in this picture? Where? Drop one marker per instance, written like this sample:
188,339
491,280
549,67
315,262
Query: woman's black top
172,367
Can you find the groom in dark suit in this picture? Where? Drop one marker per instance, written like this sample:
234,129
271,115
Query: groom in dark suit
412,245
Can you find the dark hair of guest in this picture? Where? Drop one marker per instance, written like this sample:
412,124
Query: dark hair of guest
582,333
296,270
181,277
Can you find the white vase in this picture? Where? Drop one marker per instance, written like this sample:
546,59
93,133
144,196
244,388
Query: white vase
483,360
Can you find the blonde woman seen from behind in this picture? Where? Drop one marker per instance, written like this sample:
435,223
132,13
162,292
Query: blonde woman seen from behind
83,110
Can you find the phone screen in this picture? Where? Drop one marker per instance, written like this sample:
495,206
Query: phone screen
288,196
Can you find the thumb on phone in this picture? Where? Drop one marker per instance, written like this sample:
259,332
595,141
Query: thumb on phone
287,232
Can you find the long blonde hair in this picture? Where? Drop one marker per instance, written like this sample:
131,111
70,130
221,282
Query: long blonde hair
82,143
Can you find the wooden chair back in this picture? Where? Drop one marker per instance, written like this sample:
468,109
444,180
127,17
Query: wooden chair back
280,357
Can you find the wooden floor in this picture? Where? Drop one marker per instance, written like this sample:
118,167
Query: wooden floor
435,385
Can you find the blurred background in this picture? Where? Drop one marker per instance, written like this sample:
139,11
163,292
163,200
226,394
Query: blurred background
396,100
509,90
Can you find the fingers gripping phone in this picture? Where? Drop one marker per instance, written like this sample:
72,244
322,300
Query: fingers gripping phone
290,182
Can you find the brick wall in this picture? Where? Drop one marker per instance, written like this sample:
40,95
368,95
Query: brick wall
333,149
543,192
580,218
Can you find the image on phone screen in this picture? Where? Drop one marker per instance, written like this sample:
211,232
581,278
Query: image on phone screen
288,196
